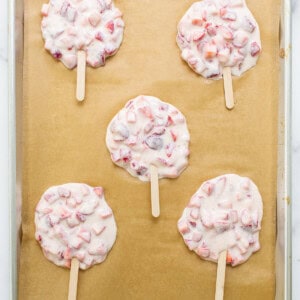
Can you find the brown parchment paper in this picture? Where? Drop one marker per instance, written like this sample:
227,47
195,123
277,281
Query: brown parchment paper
64,141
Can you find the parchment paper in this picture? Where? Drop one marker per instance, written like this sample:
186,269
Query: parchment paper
64,141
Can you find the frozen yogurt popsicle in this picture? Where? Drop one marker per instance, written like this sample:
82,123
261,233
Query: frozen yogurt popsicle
149,133
219,38
224,215
74,222
90,28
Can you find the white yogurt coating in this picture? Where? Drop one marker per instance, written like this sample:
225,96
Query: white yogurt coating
148,131
73,220
95,26
214,34
224,214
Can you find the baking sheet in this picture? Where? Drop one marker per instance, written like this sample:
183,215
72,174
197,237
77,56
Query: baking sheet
65,141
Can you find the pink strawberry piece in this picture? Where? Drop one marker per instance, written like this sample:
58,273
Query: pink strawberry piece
248,25
81,217
73,221
209,50
207,188
52,220
45,10
63,192
71,31
192,62
204,252
84,234
223,55
64,213
98,228
246,218
99,191
174,135
240,39
80,255
115,156
229,259
197,22
132,140
242,249
110,50
105,213
226,33
206,219
75,242
100,249
211,30
148,127
195,201
44,210
94,19
67,253
146,111
221,225
227,14
99,36
254,49
169,121
164,162
110,26
68,264
86,208
169,149
198,35
221,215
197,236
246,184
70,60
131,117
125,155
159,130
225,203
194,213
183,227
236,3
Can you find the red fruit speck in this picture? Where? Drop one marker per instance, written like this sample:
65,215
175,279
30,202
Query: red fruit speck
99,36
170,121
110,26
254,49
57,54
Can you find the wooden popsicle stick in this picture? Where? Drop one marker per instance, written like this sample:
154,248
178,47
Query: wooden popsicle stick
228,91
73,279
221,276
81,66
154,192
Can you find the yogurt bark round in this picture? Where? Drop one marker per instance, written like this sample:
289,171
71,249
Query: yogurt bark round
214,34
95,26
148,131
74,221
224,214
